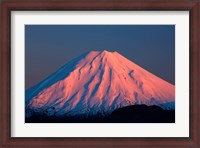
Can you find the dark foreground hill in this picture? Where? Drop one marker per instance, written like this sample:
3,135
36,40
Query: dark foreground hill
143,114
129,114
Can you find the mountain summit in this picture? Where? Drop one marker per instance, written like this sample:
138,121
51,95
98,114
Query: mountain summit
98,82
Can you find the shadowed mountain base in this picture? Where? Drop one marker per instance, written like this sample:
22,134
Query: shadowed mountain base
129,114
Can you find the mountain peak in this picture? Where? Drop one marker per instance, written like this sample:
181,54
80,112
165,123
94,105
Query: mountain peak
106,52
96,56
103,52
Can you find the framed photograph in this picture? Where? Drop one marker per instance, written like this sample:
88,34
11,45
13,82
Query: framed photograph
97,73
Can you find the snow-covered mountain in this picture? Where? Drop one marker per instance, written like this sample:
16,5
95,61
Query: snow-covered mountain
98,82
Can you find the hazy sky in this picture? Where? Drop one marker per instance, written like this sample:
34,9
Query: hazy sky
48,47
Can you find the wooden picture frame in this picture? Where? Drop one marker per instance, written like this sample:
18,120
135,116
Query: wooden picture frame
7,6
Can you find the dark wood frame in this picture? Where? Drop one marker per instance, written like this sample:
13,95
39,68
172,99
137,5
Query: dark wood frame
120,5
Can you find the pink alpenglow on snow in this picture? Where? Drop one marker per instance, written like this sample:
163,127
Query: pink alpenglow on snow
99,82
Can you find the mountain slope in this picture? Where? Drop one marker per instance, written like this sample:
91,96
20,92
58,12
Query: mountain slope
98,82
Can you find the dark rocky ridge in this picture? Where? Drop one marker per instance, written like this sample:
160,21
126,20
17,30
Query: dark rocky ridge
128,114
